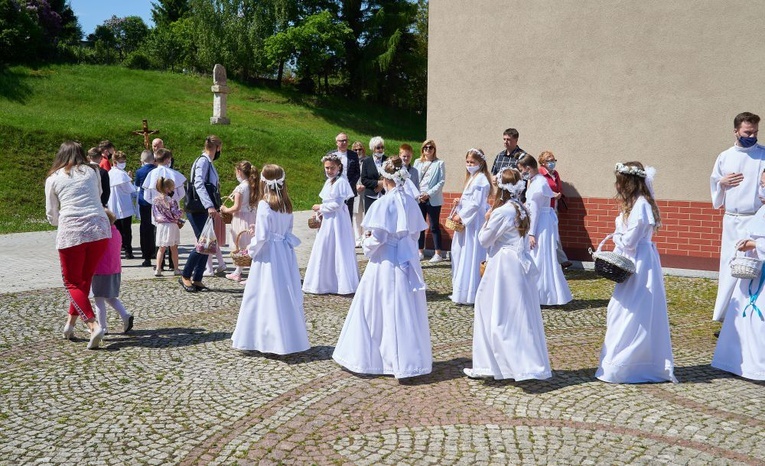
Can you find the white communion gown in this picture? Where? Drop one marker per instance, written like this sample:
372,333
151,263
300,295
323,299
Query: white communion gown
741,345
508,333
637,346
271,316
467,253
553,288
386,330
332,266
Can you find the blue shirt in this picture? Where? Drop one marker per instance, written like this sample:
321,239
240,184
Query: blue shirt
140,176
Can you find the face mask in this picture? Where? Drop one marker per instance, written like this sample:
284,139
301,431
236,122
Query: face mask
216,156
526,176
171,193
550,166
239,178
747,142
472,169
121,165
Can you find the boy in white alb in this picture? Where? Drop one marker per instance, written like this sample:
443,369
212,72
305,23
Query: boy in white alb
733,184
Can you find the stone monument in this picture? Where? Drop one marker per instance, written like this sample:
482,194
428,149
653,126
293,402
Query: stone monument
219,89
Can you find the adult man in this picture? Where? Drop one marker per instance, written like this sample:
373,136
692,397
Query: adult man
508,157
351,169
734,185
147,227
157,144
95,158
107,152
370,172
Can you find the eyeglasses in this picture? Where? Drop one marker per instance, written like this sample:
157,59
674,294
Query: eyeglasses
343,141
428,148
380,147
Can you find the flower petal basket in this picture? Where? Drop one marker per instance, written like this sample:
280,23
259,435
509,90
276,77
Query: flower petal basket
240,257
745,267
611,265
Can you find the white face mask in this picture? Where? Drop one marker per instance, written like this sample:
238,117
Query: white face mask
239,178
121,165
472,169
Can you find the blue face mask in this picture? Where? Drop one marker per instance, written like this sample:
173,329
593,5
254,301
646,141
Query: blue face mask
551,166
747,142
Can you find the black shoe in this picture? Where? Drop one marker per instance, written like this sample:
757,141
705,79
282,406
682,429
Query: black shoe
146,263
717,334
566,264
129,256
128,326
190,289
200,286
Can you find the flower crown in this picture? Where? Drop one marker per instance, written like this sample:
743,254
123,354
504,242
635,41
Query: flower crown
479,152
332,158
273,185
516,189
399,176
630,170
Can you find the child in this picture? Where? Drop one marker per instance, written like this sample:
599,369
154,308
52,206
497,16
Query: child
332,267
121,201
637,346
244,209
471,207
107,280
508,333
386,330
167,216
543,235
742,337
271,315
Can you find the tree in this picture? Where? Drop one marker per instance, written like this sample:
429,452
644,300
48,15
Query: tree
20,35
166,12
129,32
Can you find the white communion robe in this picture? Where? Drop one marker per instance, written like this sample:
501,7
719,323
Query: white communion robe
740,202
121,193
150,183
741,346
508,333
467,253
271,318
637,346
386,330
553,288
332,266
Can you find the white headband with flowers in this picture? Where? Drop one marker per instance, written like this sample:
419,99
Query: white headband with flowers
479,152
648,174
399,176
514,189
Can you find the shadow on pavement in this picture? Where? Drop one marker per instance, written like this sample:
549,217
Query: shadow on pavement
315,353
174,337
704,373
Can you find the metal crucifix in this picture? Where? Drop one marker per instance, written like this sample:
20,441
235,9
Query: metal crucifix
146,133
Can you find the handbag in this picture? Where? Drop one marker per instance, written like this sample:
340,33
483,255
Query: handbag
207,242
192,202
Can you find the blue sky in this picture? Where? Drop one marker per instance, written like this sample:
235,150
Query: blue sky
92,13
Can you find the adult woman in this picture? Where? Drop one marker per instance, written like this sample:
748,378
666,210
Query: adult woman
73,204
204,179
358,208
432,178
547,169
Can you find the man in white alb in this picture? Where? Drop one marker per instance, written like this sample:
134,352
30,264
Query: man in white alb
734,185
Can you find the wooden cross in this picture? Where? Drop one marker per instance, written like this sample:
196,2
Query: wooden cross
146,133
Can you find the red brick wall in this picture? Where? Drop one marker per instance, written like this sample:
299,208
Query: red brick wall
689,237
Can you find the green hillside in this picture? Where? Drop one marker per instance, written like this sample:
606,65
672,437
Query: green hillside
41,108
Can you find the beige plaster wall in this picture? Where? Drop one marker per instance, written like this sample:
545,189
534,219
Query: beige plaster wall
596,82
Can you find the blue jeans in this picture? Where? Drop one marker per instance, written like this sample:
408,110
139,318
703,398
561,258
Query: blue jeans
195,264
434,212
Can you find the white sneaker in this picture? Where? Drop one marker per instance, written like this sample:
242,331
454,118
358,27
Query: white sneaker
221,269
157,273
208,273
68,331
422,256
95,337
436,259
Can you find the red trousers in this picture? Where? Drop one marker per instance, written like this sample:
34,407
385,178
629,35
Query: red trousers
78,264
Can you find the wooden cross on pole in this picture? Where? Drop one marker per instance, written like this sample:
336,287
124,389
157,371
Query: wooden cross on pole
146,133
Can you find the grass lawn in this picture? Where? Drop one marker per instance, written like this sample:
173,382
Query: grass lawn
43,107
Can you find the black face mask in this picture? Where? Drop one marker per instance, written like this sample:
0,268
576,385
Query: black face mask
216,156
171,193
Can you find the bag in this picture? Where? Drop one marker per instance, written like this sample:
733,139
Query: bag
314,221
207,242
220,231
611,265
192,202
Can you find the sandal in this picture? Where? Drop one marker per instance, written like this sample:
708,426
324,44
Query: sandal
199,286
189,288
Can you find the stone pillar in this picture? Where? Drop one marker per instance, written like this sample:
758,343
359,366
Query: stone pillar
219,89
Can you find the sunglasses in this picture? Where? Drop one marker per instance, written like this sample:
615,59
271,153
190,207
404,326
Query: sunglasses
428,148
380,147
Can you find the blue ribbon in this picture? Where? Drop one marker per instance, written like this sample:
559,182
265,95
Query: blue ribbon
753,296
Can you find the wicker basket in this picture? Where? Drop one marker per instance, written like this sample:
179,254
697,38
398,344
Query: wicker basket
451,224
314,221
226,216
240,257
745,267
611,265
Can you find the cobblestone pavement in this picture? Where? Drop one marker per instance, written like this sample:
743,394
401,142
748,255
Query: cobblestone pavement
174,392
